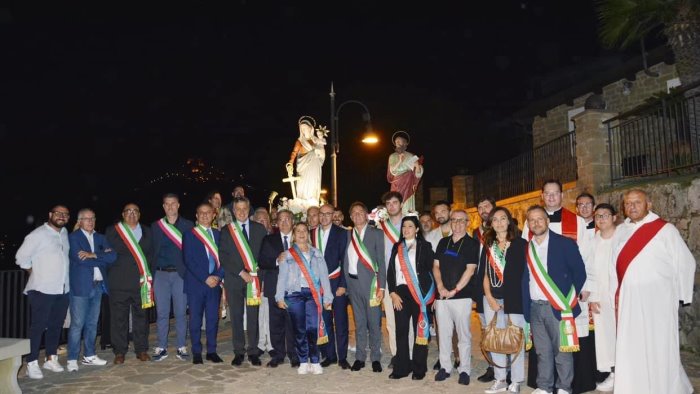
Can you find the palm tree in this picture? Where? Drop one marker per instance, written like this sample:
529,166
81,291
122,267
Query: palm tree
627,22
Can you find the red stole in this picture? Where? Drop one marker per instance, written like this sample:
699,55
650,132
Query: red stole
569,224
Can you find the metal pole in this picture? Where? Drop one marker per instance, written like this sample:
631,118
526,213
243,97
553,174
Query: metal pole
334,150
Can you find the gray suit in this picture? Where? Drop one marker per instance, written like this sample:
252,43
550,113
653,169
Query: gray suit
235,286
366,318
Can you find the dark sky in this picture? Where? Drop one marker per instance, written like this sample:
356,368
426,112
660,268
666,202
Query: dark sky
96,102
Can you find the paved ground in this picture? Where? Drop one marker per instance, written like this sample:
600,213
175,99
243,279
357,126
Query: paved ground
174,376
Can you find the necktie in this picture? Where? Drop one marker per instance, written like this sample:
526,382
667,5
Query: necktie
245,232
286,244
212,261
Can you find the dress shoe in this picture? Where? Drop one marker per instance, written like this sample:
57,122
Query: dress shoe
295,363
328,362
417,376
437,366
488,376
143,356
119,359
463,378
238,360
357,365
376,366
197,358
344,364
273,363
441,375
213,357
255,360
391,363
396,376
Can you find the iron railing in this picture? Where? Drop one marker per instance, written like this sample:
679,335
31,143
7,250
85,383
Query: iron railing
661,138
525,173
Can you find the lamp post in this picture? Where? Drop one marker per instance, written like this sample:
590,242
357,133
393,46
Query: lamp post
335,144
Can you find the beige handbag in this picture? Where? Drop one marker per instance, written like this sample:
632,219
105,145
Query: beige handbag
509,340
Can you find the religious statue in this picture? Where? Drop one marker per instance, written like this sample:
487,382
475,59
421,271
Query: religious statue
404,170
309,153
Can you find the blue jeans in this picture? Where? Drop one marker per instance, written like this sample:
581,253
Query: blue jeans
167,285
304,314
84,313
517,369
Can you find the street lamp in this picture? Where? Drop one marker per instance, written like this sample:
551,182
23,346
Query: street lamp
335,144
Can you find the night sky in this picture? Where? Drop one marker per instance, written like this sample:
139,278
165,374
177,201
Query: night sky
98,102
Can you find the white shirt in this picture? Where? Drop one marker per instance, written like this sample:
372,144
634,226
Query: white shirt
97,275
45,251
535,292
289,243
324,237
400,279
247,228
435,236
353,258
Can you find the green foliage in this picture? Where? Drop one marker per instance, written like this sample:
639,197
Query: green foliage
626,22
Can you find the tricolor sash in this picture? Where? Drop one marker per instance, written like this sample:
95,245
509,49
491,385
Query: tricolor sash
316,290
249,263
203,235
568,338
390,231
171,232
632,247
367,261
145,278
335,274
317,238
498,263
423,327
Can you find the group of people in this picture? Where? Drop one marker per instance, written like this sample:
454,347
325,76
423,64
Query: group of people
592,296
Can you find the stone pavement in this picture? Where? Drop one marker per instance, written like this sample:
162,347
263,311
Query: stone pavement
175,376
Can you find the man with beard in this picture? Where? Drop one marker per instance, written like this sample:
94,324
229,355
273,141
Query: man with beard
44,255
426,222
404,170
441,211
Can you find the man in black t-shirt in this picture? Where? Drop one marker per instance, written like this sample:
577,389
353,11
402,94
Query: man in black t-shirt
456,260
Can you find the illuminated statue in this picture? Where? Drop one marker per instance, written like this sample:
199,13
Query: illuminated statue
309,153
404,170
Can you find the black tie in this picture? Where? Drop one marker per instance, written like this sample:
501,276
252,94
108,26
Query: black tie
286,245
245,232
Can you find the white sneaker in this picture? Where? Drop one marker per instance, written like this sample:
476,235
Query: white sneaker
540,391
607,385
514,388
304,368
498,386
316,369
52,364
72,366
560,391
93,360
33,370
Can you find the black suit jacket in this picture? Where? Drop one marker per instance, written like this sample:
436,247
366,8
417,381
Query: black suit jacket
425,258
124,275
334,253
231,260
271,248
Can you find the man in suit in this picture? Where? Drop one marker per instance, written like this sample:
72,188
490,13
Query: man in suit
130,283
332,241
202,281
90,254
239,252
281,330
168,276
554,261
363,267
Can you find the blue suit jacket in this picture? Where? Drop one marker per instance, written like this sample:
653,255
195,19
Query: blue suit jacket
334,253
565,267
82,271
164,248
197,262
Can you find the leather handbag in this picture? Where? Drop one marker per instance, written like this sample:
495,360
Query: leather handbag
509,340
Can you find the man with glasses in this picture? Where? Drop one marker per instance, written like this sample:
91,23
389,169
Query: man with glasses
455,264
585,202
90,256
44,255
130,283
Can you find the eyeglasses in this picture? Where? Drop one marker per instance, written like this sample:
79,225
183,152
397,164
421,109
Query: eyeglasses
92,219
61,214
555,194
459,220
131,210
584,204
603,216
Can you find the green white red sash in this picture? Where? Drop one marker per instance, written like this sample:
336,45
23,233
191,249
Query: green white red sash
145,278
498,263
249,263
335,274
390,231
568,338
364,257
171,232
203,235
411,278
317,238
316,290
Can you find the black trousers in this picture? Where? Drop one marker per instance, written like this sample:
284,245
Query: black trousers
120,303
236,302
105,335
403,365
281,332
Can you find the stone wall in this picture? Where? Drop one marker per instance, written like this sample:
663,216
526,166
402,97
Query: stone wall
620,96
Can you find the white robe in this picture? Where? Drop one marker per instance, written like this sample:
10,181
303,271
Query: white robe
647,357
598,281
